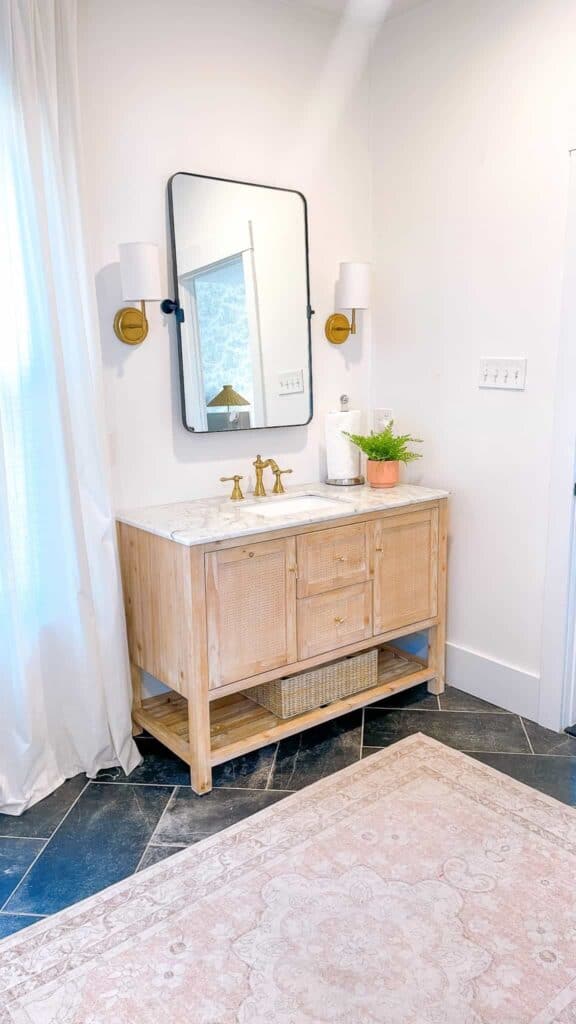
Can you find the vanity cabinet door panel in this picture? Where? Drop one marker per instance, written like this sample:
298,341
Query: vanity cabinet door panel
405,563
251,609
330,559
329,621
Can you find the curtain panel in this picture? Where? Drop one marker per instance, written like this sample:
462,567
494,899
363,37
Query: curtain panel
64,674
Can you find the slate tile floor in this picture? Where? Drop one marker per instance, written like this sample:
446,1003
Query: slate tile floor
90,834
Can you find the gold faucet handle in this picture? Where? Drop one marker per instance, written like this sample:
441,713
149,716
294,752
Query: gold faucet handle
279,486
236,490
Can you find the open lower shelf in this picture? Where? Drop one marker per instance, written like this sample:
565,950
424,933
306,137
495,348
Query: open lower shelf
238,725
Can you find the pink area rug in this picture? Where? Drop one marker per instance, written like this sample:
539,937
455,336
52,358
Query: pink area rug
415,886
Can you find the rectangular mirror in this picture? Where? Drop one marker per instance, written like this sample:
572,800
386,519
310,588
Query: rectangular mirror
241,270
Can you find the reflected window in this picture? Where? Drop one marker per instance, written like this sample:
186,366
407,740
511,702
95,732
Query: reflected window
223,326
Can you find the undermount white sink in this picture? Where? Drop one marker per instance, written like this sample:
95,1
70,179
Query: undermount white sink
275,508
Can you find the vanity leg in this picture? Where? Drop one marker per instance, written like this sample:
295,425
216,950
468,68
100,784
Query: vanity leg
136,674
437,658
199,733
198,681
437,644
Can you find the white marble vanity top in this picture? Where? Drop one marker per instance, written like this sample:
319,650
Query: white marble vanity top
211,519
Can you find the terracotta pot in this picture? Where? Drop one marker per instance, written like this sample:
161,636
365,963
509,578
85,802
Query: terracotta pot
382,474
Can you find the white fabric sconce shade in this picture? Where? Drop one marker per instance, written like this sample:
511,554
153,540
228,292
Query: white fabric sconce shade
353,289
352,292
140,277
140,272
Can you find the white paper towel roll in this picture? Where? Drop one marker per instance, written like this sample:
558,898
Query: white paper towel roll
342,458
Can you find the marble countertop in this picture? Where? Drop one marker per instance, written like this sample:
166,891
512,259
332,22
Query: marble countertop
211,519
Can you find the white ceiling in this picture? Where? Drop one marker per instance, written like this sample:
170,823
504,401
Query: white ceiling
388,7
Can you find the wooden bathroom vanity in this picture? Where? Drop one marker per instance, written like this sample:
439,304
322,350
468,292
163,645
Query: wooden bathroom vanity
223,596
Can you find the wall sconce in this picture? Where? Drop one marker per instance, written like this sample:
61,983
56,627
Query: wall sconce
140,275
352,292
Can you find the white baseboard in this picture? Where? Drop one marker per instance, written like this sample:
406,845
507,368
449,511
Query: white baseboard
509,687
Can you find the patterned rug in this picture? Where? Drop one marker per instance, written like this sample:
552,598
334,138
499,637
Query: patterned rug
415,887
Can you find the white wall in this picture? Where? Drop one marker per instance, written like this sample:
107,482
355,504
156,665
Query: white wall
248,90
474,113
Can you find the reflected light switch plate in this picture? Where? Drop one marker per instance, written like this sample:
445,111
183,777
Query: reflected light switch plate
291,382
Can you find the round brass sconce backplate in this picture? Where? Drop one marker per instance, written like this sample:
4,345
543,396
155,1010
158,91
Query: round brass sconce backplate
130,325
337,328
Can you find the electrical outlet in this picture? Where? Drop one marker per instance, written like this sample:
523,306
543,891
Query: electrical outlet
503,374
380,419
291,382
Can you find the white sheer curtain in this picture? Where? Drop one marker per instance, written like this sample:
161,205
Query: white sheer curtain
64,681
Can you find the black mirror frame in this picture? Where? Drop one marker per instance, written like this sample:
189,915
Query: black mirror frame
173,305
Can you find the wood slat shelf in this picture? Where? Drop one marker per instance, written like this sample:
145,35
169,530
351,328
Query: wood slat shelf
238,725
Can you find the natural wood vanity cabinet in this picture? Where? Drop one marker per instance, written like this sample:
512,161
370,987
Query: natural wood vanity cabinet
211,620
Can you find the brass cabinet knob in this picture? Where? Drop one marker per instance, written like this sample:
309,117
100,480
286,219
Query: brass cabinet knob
236,491
340,558
339,620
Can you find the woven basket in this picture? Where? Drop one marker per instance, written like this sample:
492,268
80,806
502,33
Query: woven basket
297,694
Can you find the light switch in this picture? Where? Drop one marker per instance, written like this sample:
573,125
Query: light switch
291,382
503,374
380,419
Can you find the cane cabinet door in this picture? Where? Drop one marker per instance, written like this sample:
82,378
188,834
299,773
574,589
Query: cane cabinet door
405,562
251,609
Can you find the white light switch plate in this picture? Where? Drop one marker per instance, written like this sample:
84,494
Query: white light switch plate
503,374
380,419
291,382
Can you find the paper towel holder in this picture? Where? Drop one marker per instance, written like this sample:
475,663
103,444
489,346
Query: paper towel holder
351,481
352,292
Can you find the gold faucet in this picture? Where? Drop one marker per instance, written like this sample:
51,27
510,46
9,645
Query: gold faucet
260,466
278,486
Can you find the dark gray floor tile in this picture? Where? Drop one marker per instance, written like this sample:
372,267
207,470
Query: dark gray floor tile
315,753
40,821
100,842
454,699
189,817
416,696
16,856
156,853
251,771
10,923
463,730
555,776
160,767
546,741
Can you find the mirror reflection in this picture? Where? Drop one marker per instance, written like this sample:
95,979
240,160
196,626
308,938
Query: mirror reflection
242,273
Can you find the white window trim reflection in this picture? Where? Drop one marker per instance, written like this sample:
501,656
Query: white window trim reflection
192,348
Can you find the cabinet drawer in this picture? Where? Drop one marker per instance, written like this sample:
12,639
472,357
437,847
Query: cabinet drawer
331,559
332,620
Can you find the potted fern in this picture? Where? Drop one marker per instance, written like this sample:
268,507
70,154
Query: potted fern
385,452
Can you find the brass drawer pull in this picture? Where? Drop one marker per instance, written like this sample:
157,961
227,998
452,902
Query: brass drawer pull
339,620
380,550
340,558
